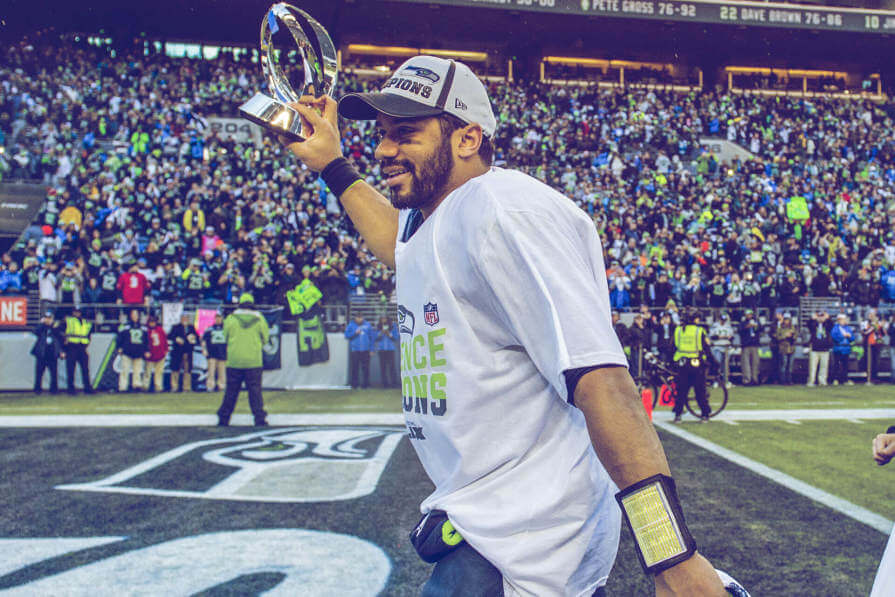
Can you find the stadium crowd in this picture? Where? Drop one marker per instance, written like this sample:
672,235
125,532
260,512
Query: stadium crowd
138,185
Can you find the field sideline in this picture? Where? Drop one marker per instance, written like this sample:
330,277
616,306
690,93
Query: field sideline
388,401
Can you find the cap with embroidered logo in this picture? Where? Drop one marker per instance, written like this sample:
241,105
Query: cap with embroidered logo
426,86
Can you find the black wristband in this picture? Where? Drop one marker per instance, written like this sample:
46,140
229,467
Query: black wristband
338,175
661,502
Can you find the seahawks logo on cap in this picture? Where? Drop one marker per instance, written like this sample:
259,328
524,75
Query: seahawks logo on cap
422,72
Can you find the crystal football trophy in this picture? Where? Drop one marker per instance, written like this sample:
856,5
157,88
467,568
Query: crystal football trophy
298,58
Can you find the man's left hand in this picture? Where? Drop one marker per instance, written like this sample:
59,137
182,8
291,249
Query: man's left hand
694,577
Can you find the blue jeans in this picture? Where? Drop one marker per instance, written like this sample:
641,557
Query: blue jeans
786,368
466,573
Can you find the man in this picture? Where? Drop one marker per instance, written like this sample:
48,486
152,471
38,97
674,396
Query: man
872,332
503,307
843,337
214,347
158,350
70,283
640,338
184,338
386,336
359,333
820,327
750,335
132,286
621,332
665,337
49,293
884,583
891,335
195,281
133,348
775,370
721,334
46,351
77,338
247,332
691,347
786,344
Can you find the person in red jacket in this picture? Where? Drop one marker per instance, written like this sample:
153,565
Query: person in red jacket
133,287
158,350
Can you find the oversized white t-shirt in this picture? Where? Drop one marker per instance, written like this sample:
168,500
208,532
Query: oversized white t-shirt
500,290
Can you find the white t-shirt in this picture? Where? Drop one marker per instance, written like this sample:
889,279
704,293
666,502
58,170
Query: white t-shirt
500,290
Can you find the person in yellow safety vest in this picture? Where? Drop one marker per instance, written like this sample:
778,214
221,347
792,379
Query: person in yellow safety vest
691,345
77,338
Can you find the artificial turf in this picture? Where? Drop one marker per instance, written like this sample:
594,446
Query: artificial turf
378,400
832,455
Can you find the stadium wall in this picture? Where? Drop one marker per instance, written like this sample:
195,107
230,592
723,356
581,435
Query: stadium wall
17,364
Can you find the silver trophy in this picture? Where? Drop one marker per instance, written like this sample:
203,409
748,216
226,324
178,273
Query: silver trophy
298,58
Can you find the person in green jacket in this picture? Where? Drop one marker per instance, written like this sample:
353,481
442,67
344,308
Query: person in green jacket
247,333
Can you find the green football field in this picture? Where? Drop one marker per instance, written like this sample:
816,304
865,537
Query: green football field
389,401
775,540
832,455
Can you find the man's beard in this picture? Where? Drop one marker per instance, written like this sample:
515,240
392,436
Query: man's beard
427,183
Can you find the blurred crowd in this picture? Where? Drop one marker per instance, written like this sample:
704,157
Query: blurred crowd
139,183
762,348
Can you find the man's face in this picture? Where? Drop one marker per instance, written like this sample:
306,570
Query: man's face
416,159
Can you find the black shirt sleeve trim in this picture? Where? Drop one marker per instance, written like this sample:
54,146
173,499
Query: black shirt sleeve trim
573,376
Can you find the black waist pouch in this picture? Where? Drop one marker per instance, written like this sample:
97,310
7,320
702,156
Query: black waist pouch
434,536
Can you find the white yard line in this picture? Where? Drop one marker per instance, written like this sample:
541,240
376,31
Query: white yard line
195,420
158,420
799,414
880,523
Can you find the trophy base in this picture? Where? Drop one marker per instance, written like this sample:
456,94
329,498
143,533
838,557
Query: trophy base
273,115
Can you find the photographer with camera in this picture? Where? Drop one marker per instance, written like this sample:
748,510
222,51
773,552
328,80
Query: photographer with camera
385,344
750,333
721,334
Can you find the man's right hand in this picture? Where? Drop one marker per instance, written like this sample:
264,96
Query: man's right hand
690,578
883,448
324,143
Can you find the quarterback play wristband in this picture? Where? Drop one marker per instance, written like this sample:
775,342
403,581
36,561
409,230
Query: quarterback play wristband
654,515
338,175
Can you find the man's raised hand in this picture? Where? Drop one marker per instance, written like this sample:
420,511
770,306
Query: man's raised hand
320,122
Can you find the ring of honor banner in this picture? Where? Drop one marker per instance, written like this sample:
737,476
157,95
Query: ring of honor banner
271,352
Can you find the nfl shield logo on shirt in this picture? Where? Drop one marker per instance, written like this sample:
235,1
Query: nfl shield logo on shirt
430,313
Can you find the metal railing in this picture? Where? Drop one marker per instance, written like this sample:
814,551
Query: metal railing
106,317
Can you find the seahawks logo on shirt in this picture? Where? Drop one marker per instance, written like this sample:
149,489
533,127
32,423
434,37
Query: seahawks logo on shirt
406,320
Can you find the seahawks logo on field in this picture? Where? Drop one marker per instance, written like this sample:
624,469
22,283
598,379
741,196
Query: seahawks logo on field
422,72
299,464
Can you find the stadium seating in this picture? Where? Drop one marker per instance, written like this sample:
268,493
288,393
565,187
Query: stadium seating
133,177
